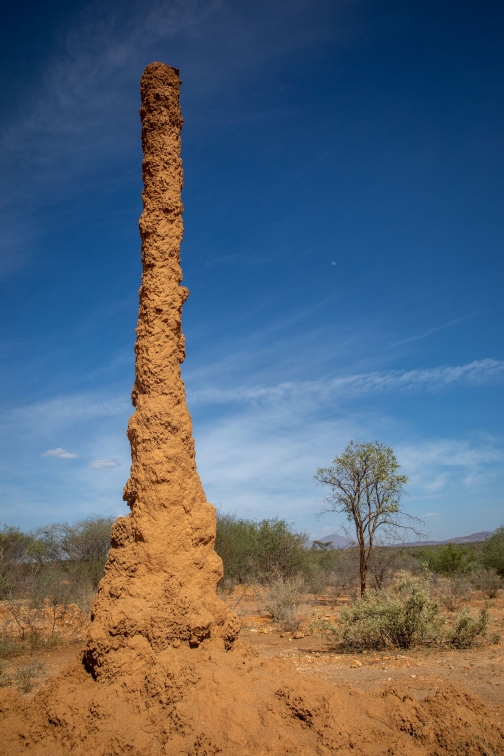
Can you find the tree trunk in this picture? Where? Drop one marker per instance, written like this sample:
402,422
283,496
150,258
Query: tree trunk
362,570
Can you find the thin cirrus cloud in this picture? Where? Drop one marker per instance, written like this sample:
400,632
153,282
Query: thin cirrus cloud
102,464
477,373
432,514
60,453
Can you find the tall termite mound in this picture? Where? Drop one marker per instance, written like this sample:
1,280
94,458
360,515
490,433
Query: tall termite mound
159,587
163,673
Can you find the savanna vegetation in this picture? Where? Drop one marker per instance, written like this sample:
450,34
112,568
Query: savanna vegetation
414,595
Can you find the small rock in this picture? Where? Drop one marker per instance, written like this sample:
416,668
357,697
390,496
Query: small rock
298,635
356,664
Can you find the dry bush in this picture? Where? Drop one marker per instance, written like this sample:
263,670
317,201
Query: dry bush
28,628
452,592
488,581
4,677
344,579
283,598
316,579
27,674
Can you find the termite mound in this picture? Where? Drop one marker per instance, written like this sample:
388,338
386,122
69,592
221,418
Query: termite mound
164,672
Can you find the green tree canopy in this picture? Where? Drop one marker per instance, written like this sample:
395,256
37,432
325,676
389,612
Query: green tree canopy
366,487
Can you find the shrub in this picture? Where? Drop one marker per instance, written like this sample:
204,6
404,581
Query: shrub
319,567
4,677
86,543
467,629
448,560
385,562
258,550
278,552
283,598
13,544
344,579
383,620
488,581
26,674
492,556
401,617
453,592
234,543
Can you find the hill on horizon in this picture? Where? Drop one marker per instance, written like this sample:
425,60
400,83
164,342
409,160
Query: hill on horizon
342,542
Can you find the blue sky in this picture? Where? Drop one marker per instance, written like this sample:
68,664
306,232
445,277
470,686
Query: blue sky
343,248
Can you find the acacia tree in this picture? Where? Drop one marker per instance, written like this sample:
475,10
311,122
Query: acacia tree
366,487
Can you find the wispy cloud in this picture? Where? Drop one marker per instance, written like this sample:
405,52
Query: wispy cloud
477,373
101,464
81,111
446,466
432,514
60,454
430,331
62,411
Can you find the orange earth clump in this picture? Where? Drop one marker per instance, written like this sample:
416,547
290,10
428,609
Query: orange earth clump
164,672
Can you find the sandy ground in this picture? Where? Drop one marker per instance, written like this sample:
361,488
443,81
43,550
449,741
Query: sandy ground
479,670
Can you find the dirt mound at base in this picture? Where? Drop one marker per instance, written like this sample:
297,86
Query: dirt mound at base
206,701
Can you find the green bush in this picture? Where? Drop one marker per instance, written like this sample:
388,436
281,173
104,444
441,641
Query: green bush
43,573
86,543
449,559
278,552
492,556
13,544
401,617
318,576
467,629
258,550
234,543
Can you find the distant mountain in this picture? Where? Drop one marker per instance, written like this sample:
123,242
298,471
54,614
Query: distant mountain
340,542
473,538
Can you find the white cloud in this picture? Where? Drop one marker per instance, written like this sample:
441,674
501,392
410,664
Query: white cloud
64,411
432,514
444,466
60,453
477,373
101,464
